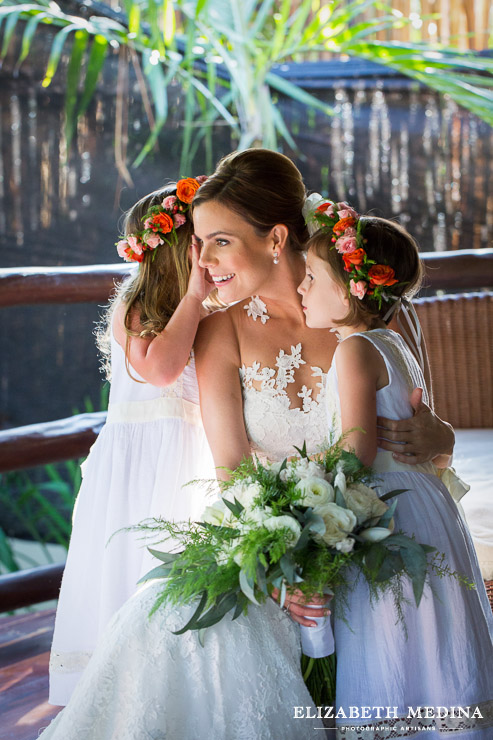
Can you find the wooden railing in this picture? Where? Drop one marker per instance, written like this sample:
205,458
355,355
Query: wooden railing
71,438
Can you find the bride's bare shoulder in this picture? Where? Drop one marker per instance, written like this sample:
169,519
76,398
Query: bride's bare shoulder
218,332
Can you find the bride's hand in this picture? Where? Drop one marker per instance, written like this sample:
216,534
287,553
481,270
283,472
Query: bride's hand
416,440
296,604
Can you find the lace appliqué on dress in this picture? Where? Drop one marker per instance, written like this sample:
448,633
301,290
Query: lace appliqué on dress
273,425
257,309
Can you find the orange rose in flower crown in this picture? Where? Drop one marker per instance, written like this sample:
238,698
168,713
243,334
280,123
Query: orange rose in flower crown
353,258
160,222
381,275
186,189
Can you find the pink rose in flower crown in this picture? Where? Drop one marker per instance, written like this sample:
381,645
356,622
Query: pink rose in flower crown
201,179
135,244
153,240
345,211
358,288
169,202
122,249
179,219
126,253
346,244
148,223
350,231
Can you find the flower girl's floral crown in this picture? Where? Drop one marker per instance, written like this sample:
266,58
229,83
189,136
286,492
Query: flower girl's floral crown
343,224
161,222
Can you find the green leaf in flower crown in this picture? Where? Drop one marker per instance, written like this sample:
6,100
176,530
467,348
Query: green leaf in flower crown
384,520
190,625
391,494
166,557
247,586
416,566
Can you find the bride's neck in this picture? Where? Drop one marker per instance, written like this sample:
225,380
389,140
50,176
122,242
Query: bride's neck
279,290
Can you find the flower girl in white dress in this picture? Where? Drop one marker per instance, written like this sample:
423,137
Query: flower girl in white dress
358,269
153,440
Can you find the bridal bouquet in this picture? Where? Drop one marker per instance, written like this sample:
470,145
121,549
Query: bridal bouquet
298,524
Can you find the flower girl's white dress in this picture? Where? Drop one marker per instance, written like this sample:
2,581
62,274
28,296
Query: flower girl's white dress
447,659
152,444
144,683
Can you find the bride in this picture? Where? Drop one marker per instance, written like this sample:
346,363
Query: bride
261,375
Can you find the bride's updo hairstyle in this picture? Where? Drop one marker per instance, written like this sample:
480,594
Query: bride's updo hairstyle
263,187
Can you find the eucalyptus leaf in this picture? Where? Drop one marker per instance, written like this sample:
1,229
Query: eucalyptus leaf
161,571
165,557
195,617
247,586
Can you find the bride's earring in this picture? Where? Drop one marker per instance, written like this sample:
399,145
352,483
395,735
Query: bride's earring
276,258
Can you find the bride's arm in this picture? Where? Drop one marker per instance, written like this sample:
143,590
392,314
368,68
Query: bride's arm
421,438
217,359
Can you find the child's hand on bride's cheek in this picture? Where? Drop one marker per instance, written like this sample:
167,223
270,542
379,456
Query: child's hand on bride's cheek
296,603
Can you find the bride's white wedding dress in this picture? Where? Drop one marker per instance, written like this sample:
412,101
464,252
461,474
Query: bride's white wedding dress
145,683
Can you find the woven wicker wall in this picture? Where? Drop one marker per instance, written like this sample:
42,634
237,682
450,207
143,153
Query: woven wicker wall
459,337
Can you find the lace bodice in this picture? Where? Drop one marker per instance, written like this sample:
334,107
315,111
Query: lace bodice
273,425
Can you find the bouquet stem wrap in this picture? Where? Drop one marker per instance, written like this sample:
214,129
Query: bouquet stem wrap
318,642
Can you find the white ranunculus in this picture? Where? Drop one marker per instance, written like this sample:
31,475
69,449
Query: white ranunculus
302,468
338,522
364,502
285,522
305,468
340,481
375,534
314,491
345,545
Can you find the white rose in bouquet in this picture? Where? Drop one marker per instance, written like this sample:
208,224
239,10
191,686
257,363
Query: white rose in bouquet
281,522
338,522
315,491
364,502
